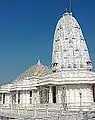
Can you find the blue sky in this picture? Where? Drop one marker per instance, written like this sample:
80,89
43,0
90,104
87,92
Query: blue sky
27,28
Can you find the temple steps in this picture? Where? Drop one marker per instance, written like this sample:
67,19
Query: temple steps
66,115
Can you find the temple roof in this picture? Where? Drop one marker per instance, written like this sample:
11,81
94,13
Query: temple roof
68,77
37,70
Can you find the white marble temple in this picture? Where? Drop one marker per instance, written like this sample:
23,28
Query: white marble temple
69,84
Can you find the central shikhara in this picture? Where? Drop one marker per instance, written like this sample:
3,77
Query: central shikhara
68,85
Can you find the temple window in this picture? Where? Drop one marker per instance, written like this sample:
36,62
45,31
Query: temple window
69,66
65,57
73,38
30,97
76,26
81,38
18,97
81,65
93,89
53,71
76,50
70,41
89,62
57,40
66,38
65,50
0,97
60,27
54,94
41,96
62,66
46,96
3,98
55,64
74,66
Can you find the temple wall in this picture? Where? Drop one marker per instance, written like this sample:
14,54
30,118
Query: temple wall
27,100
79,95
59,94
37,96
7,98
72,95
21,97
24,96
75,95
34,98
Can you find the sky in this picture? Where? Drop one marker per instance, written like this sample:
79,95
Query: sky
27,29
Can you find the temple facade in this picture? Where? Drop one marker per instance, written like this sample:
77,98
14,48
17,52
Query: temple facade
69,84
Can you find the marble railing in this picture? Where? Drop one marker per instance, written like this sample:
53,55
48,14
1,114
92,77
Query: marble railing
23,107
42,110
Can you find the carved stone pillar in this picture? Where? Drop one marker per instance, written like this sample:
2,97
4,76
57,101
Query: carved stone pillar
38,96
50,95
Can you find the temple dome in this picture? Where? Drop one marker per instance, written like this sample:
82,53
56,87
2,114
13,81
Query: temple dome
37,70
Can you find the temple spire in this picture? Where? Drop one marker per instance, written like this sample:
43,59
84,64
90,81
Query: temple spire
69,47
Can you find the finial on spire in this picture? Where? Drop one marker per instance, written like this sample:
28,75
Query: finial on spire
39,62
66,10
70,6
